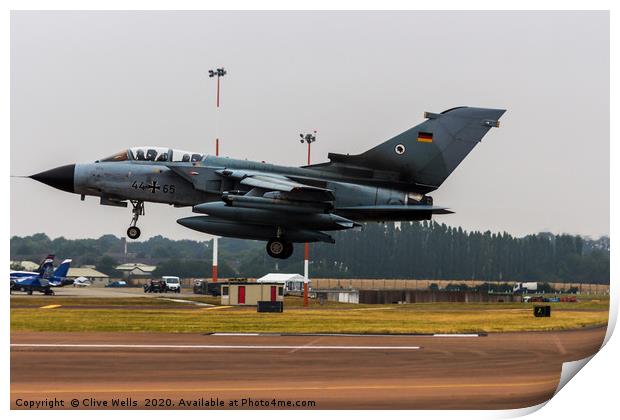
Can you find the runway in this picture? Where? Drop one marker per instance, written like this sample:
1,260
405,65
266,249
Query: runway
508,370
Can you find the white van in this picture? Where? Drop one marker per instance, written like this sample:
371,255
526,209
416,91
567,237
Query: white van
173,283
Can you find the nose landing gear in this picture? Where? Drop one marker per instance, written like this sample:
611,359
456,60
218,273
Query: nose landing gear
138,210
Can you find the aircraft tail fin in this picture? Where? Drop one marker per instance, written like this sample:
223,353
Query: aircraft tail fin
45,264
426,154
63,269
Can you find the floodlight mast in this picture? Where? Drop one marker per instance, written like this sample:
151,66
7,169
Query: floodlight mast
308,138
218,72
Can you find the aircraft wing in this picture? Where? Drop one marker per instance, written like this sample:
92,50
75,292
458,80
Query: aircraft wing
275,206
270,184
276,183
276,186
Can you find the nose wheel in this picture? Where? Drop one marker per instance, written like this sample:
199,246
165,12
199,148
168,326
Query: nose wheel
133,232
138,210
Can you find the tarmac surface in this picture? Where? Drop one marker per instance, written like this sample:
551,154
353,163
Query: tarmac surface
108,292
498,371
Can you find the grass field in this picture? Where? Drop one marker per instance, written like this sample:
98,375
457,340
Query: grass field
158,315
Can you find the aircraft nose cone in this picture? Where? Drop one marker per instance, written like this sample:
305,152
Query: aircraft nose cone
62,177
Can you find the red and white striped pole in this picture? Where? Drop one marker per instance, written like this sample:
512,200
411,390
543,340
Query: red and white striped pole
309,139
306,255
217,153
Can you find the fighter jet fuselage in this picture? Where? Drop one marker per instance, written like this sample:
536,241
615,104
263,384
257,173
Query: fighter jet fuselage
281,204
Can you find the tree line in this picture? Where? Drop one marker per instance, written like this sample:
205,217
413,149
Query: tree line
428,250
422,250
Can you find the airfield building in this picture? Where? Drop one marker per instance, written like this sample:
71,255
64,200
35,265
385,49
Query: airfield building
249,294
136,270
88,272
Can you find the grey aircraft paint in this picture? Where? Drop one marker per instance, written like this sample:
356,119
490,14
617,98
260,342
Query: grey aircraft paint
280,204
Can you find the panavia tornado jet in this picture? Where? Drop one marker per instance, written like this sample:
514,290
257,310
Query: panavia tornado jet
284,205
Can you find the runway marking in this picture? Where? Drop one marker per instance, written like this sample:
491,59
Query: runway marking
191,302
306,345
456,335
552,382
50,307
214,346
559,345
372,309
217,307
240,334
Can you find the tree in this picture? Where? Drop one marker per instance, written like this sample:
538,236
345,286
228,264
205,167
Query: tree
107,265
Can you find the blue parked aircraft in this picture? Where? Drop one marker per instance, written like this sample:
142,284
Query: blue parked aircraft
43,280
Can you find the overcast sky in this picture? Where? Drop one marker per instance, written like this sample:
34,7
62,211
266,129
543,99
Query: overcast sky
87,84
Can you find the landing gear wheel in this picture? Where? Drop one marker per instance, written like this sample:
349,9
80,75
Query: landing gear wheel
133,232
277,248
138,210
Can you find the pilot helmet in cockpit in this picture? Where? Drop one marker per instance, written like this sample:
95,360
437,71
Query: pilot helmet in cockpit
140,154
151,154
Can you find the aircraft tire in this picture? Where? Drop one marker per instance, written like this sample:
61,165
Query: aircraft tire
133,232
276,248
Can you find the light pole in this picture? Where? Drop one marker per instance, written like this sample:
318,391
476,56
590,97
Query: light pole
309,139
219,72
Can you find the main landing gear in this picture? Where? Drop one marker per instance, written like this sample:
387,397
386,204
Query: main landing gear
138,210
279,248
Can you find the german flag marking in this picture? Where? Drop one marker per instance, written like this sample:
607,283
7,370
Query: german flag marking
425,137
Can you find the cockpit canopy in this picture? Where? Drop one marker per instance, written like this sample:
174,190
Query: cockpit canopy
154,154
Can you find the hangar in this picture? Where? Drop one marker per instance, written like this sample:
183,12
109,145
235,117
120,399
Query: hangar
136,270
88,272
